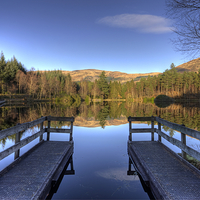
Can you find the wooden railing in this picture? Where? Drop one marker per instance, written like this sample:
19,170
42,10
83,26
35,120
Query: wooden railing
22,127
181,128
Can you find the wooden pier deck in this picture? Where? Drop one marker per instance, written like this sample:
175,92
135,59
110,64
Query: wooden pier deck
168,175
32,175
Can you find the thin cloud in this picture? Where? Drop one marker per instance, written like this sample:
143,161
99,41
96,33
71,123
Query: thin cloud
142,23
118,174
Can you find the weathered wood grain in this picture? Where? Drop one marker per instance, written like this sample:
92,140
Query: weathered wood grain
152,131
32,176
20,144
142,130
168,175
21,127
59,130
180,144
139,118
177,127
51,118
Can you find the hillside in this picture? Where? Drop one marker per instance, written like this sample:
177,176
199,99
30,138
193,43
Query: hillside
191,66
92,74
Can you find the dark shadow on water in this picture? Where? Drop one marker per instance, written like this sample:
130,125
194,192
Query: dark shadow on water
131,172
163,101
163,104
66,171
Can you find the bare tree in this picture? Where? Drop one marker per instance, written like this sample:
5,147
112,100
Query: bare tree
186,17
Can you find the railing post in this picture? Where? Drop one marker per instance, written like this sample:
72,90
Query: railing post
71,163
130,134
152,128
41,128
129,165
49,125
17,139
183,140
159,128
71,138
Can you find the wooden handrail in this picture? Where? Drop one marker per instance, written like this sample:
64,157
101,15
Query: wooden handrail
51,118
21,127
188,131
181,128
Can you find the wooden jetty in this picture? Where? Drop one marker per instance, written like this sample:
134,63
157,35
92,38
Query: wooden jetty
168,175
32,175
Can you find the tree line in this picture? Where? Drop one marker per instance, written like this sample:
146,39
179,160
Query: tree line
16,79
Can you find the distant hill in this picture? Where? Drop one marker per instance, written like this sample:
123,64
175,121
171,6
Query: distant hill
191,66
92,74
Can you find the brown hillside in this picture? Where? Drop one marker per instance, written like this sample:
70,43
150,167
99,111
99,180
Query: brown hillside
191,66
92,74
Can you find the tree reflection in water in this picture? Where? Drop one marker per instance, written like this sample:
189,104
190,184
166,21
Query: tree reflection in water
187,113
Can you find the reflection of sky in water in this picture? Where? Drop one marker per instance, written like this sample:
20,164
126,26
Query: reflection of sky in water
101,164
100,161
118,174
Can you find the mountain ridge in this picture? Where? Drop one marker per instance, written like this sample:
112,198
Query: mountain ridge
93,74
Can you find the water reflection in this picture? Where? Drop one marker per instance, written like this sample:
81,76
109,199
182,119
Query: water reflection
97,115
68,170
100,114
131,172
100,155
100,159
118,174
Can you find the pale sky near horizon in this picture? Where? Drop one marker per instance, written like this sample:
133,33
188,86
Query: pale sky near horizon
131,36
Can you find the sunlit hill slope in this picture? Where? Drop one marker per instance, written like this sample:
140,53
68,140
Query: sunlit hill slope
92,74
191,66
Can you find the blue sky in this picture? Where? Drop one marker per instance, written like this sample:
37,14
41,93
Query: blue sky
131,36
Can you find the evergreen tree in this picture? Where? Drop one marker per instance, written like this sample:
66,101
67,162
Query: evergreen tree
103,85
2,71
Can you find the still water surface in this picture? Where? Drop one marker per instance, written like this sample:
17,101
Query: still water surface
100,157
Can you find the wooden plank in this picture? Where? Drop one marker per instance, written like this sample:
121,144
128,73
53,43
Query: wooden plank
58,130
12,130
15,162
183,140
71,138
41,128
188,150
182,129
35,122
48,133
17,140
20,144
32,177
139,118
65,161
44,189
152,131
141,130
51,118
21,127
143,169
168,176
130,128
